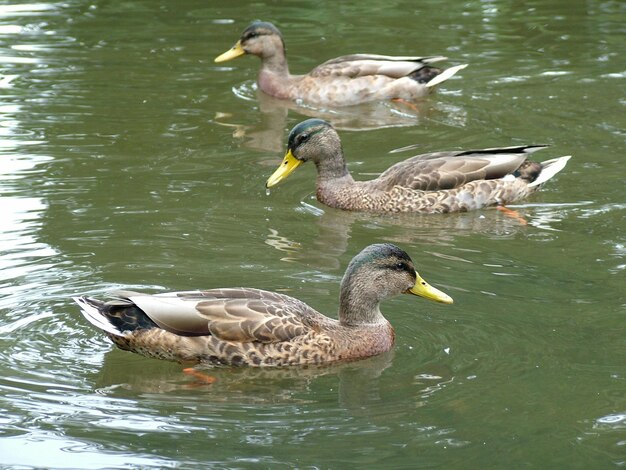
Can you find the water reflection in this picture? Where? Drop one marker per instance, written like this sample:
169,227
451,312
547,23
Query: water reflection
24,259
14,135
268,134
122,375
43,450
24,256
248,405
334,227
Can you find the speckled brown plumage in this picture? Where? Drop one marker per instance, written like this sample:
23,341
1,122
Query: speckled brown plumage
455,181
346,80
245,326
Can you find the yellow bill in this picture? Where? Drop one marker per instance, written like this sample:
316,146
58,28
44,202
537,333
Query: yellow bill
231,53
423,289
289,164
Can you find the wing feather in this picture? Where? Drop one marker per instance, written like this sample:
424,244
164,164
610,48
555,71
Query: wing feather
361,65
246,320
231,314
447,170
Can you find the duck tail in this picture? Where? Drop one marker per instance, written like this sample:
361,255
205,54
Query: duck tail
115,317
94,311
549,168
443,76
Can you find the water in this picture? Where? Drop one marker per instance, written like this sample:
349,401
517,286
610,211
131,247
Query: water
130,159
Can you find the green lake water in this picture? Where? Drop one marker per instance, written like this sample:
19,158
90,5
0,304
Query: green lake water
129,159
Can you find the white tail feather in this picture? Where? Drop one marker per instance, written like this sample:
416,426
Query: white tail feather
550,168
430,60
443,76
94,317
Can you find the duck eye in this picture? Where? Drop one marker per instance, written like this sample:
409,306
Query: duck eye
302,138
251,35
401,266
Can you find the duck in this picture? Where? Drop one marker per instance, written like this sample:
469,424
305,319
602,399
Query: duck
245,326
438,182
343,81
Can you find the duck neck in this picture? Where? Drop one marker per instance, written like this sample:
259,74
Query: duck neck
334,180
274,78
357,304
332,166
274,62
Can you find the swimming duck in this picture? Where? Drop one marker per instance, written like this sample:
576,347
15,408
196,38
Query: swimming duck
346,80
245,326
455,181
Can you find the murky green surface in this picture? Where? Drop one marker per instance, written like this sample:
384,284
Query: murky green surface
128,158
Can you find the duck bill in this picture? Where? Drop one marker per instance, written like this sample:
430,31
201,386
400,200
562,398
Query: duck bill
423,289
289,164
231,53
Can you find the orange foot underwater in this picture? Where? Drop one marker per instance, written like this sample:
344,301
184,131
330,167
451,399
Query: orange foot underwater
413,106
513,214
202,379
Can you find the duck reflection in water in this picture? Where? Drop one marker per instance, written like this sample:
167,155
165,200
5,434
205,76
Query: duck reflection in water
326,238
266,132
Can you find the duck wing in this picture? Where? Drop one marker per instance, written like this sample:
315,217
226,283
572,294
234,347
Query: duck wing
361,65
447,170
230,314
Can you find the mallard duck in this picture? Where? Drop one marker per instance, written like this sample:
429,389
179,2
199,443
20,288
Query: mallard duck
346,80
455,181
245,326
